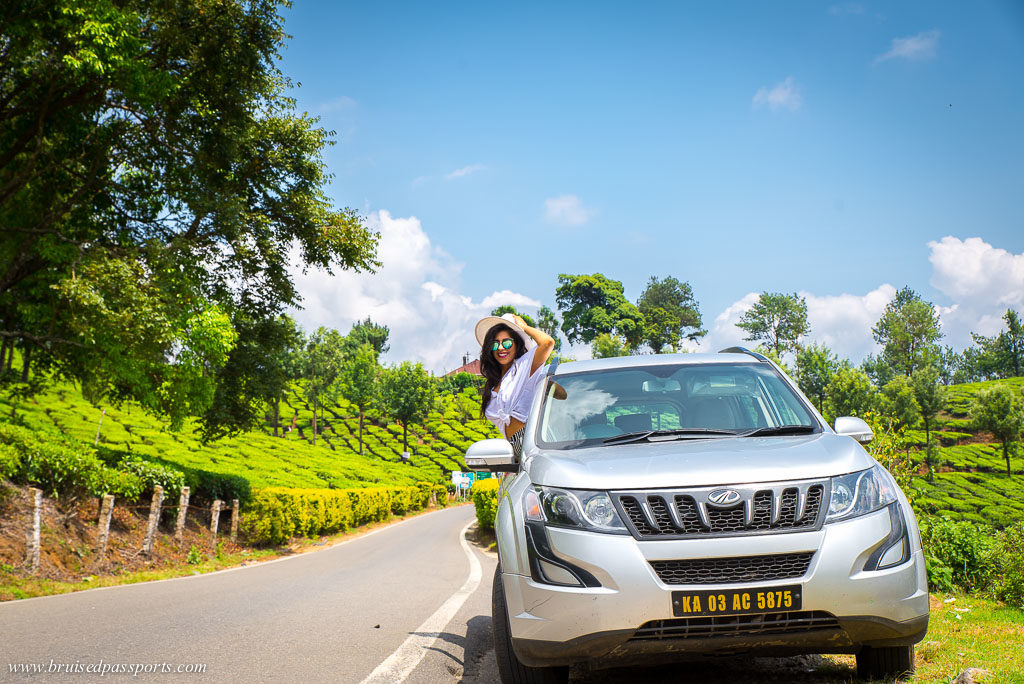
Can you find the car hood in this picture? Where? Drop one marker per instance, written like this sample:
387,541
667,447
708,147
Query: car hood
698,462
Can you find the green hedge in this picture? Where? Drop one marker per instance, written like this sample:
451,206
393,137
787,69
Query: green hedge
485,499
276,514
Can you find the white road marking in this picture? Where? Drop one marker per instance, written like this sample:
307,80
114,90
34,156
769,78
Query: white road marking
403,661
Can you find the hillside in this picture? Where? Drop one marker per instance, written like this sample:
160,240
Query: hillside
971,481
264,460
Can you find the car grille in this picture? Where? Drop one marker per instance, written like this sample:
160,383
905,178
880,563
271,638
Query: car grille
793,622
733,570
759,509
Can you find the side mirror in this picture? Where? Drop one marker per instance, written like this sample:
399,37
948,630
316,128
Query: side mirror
854,427
494,455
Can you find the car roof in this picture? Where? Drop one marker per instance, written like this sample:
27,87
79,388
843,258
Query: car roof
647,360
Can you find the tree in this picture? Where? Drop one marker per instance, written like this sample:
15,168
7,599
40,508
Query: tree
256,375
548,322
670,314
593,304
368,332
153,170
850,393
358,381
930,396
908,332
899,402
606,346
407,394
506,308
325,354
777,319
999,411
1000,356
815,366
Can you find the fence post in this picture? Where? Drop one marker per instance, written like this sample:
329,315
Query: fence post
34,540
214,519
182,508
106,511
154,519
234,519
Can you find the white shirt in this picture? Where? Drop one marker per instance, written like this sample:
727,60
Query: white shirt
514,396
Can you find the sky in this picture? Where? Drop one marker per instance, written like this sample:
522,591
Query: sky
839,151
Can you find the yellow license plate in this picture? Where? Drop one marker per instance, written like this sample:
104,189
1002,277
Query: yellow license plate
736,601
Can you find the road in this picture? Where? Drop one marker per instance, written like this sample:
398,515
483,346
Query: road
406,602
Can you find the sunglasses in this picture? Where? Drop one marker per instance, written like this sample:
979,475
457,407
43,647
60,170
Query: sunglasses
506,343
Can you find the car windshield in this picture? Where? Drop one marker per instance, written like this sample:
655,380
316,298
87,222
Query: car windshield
656,403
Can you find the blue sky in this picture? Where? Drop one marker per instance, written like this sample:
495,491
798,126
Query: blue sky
836,150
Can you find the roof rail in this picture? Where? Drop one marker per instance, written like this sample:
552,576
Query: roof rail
743,350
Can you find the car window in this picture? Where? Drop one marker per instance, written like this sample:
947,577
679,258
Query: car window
598,405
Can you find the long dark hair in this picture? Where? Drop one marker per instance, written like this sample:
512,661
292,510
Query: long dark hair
489,366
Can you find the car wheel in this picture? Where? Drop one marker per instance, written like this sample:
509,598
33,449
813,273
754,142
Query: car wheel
509,668
885,662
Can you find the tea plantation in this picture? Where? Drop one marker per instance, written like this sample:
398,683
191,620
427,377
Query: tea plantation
264,460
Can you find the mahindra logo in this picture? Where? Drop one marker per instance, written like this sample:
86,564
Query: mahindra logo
723,497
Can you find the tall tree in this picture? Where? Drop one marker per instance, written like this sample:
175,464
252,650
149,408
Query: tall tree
606,346
930,395
1000,356
407,393
152,170
670,314
899,402
548,322
779,320
815,366
850,393
908,332
359,381
508,308
325,354
593,304
999,411
368,332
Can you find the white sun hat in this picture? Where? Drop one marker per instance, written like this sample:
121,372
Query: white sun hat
488,322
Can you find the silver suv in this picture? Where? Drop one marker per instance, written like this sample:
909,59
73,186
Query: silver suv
672,506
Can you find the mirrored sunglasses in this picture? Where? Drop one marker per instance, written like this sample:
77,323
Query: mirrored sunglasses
506,343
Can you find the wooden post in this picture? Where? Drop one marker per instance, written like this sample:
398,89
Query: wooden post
433,497
214,519
182,508
106,511
234,519
34,541
154,519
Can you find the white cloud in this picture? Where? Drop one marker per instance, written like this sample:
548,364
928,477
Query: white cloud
916,48
981,280
566,210
416,293
337,104
464,171
785,95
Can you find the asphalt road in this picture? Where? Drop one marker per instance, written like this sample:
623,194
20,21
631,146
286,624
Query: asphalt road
333,615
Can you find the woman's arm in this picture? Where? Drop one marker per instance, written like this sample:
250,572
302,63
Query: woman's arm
545,344
514,426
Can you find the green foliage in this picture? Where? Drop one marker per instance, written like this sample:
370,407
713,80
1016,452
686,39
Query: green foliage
670,314
908,332
1000,356
506,308
10,461
1000,412
900,403
547,321
485,499
888,448
815,366
194,556
152,474
367,332
274,515
63,469
606,346
850,394
966,549
407,394
779,320
358,381
1009,572
593,304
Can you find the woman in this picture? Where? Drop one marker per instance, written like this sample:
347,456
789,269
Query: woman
511,356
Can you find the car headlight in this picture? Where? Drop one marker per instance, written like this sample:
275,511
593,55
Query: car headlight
577,508
860,493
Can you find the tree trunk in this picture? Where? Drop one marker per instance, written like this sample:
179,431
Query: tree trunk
360,430
314,422
1006,455
405,438
26,362
277,413
3,353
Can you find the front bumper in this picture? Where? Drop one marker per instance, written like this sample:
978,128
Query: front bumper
558,625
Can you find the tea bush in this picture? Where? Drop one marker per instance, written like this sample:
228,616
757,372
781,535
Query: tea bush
485,499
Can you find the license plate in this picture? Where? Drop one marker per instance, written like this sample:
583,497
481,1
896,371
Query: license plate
736,601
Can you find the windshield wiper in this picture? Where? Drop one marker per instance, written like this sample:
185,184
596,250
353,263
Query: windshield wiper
781,430
680,433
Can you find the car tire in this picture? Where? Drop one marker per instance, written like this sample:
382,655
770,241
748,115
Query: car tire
511,670
885,662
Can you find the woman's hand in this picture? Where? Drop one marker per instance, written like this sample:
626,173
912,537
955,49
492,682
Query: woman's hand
519,321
